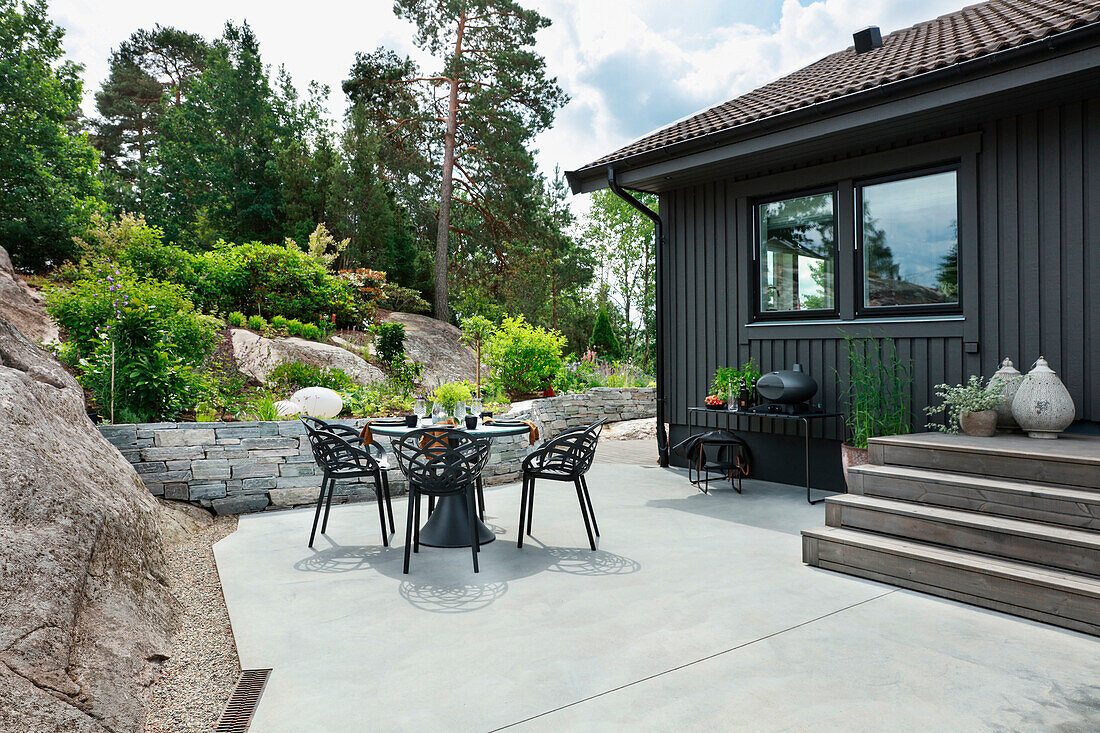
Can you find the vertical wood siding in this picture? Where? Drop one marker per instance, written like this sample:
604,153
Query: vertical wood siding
1034,190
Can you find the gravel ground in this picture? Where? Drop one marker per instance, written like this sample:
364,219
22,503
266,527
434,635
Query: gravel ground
196,680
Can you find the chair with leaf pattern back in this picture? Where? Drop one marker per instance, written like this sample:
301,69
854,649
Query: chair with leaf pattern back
440,462
565,458
373,447
341,459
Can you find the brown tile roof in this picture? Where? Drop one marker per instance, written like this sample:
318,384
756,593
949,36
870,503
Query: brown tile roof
951,39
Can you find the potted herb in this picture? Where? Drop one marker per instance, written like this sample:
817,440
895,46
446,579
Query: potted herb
735,385
877,395
971,407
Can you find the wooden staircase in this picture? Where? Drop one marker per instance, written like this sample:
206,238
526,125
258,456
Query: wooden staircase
1007,523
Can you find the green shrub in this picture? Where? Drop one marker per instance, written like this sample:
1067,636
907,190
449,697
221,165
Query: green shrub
389,341
263,408
974,396
311,331
257,323
236,319
159,341
279,323
274,279
379,398
523,357
451,393
604,341
578,376
294,375
294,327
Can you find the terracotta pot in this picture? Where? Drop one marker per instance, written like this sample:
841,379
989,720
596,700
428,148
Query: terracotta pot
851,456
979,424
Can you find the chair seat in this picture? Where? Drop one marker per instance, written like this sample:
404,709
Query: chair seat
552,473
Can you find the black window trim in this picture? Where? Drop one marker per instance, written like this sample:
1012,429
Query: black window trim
861,309
801,315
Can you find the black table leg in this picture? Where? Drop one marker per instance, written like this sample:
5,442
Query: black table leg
449,524
806,460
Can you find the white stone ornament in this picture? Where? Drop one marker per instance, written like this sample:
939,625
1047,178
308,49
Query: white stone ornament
319,402
1010,377
1042,405
286,408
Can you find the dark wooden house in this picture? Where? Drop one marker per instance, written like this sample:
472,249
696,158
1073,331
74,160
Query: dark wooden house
939,186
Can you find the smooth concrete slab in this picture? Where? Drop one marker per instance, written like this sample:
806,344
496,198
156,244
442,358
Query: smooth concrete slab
695,611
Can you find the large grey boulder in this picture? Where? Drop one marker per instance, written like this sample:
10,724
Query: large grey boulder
256,356
21,305
84,600
438,346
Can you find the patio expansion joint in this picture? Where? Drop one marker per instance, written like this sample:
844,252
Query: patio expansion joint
697,661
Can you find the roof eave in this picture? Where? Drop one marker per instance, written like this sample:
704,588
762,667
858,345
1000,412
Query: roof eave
594,177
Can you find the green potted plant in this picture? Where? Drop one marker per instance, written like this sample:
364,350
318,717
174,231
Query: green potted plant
877,395
971,407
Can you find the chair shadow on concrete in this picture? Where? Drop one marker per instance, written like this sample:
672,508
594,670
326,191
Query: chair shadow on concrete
439,583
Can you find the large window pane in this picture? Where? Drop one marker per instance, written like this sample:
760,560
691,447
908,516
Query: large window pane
910,242
797,254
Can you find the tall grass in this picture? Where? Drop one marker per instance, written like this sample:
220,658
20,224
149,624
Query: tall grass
878,389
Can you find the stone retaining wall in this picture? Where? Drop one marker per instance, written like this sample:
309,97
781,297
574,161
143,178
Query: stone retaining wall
238,467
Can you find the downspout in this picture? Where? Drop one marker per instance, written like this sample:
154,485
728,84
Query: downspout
658,245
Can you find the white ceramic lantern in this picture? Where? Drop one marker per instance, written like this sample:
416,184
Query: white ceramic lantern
319,402
1043,406
286,408
1010,377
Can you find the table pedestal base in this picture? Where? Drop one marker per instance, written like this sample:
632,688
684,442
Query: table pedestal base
449,524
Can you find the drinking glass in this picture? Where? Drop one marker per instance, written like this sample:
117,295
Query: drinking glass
420,407
460,411
438,413
475,407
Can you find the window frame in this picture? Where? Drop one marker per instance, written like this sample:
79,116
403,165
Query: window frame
862,310
817,313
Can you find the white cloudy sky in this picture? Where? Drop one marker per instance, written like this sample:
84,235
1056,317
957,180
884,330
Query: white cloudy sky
630,66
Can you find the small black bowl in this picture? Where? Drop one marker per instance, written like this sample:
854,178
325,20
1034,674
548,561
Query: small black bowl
411,420
471,422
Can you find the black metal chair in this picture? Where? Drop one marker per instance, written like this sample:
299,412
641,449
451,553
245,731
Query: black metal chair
373,447
440,462
716,459
565,458
340,459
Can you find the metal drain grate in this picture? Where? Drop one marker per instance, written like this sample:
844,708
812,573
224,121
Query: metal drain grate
237,716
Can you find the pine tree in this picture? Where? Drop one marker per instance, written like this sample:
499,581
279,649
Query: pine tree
480,111
604,341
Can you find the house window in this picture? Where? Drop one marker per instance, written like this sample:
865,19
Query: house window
908,239
797,254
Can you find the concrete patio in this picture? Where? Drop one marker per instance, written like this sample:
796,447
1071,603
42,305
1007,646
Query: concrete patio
695,613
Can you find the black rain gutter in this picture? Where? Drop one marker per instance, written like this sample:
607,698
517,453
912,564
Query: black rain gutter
933,79
658,245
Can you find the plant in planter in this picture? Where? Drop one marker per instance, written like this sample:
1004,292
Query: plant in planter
877,395
732,383
971,407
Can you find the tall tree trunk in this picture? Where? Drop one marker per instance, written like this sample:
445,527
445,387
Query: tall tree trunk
446,189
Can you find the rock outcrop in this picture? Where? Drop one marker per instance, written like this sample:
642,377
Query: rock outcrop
84,597
438,346
256,356
22,306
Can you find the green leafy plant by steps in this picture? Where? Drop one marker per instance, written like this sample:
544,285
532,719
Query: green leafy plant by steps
878,389
957,400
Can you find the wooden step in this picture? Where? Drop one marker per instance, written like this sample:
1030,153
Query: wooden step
1071,460
1051,596
1062,548
1042,503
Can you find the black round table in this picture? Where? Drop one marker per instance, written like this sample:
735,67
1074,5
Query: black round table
447,527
